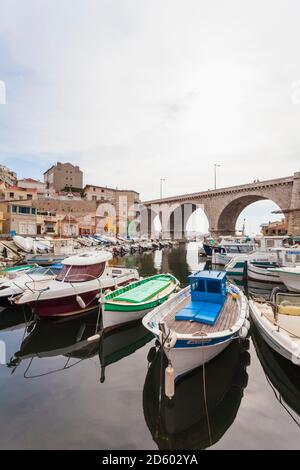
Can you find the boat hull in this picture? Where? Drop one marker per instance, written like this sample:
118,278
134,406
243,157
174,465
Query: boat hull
258,274
68,305
113,318
184,359
279,342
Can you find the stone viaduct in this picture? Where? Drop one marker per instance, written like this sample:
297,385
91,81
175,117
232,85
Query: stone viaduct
223,206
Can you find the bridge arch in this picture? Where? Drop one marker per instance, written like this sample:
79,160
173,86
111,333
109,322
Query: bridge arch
179,218
226,223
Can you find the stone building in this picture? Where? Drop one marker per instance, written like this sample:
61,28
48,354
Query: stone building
12,193
7,176
63,175
276,228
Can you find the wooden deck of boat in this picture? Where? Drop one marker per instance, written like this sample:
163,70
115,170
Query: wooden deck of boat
227,318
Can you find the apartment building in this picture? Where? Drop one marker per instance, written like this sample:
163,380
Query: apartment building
30,183
19,217
63,175
99,193
12,193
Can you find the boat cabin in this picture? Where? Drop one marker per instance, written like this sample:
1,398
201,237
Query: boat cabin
83,267
208,295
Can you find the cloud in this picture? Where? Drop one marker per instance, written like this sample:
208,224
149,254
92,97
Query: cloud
135,91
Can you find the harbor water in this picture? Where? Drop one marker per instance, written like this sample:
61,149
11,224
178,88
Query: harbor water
64,388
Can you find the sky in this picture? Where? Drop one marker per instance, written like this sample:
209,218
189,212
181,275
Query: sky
136,91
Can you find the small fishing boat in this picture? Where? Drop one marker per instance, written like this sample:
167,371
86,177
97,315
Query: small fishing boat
290,277
278,322
260,273
200,321
135,300
77,287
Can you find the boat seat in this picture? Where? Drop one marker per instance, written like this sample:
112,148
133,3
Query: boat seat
289,310
201,312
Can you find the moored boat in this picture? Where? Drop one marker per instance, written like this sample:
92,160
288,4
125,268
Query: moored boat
200,321
278,322
260,273
77,287
289,276
16,285
135,300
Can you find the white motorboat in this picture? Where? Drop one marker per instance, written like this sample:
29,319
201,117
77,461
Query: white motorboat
9,288
278,322
24,243
78,286
280,256
200,321
290,277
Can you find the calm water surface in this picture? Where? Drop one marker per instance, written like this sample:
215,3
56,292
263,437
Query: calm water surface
64,392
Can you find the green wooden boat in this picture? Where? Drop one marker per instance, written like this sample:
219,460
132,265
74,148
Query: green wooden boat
135,300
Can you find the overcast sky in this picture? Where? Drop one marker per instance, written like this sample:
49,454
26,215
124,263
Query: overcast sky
136,90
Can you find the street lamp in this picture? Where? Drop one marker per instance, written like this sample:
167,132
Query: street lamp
215,166
161,182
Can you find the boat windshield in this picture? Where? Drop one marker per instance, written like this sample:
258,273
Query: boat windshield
80,273
284,299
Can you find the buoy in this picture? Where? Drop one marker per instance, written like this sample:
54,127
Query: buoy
243,332
169,382
235,296
80,301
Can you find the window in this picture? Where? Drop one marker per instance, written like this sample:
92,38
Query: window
22,229
33,211
21,198
94,198
200,285
81,273
213,286
12,195
102,198
29,196
24,210
102,190
14,209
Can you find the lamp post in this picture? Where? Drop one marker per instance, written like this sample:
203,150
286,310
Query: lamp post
215,173
161,182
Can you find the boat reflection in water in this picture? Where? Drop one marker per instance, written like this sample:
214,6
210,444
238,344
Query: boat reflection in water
188,421
78,338
121,342
72,337
13,317
282,375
